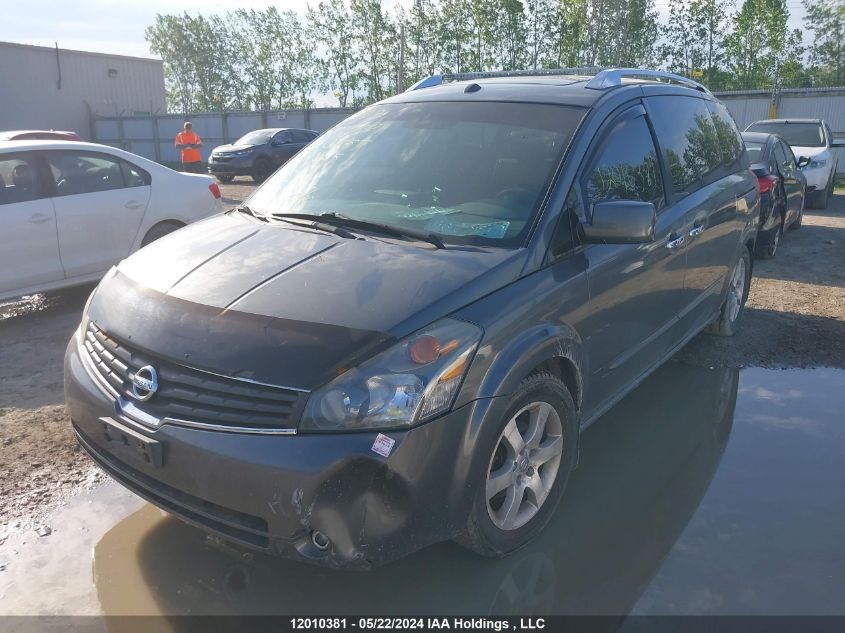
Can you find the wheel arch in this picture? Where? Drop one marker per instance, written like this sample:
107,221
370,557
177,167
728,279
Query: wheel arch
553,348
177,224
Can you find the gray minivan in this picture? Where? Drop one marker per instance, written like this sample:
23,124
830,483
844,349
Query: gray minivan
398,338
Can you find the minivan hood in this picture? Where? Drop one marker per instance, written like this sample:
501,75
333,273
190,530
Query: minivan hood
285,306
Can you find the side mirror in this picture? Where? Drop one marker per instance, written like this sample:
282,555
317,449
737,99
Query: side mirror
803,161
622,222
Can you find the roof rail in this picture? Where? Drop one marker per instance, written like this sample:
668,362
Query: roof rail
602,78
437,80
612,77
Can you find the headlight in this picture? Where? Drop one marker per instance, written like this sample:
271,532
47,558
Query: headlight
415,380
83,324
815,164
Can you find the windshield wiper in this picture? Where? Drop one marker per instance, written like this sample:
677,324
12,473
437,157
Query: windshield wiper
314,222
385,229
245,209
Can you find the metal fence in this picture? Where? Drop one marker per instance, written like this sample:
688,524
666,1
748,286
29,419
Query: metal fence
152,136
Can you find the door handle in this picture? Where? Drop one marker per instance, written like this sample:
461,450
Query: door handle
133,204
40,218
696,231
672,244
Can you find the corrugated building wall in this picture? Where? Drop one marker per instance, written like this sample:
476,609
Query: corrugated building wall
43,89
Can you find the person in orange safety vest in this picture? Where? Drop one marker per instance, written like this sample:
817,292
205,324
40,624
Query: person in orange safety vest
189,142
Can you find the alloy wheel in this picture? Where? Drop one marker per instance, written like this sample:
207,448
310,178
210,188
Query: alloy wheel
524,465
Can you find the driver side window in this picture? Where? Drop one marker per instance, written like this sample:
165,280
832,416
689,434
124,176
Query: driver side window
625,166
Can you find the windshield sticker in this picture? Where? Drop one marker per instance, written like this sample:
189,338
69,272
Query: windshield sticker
383,445
447,226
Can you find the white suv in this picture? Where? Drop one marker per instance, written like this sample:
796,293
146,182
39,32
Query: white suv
811,141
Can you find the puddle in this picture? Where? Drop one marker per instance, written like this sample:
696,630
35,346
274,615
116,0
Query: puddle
703,492
61,300
25,305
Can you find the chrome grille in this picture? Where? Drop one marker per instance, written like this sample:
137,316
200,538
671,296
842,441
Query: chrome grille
189,394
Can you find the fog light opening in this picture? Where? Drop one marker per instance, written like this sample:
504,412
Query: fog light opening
320,540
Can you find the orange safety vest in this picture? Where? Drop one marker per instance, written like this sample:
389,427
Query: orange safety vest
189,155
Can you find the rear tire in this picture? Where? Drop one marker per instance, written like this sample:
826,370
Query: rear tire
525,484
796,223
735,298
771,249
160,230
225,179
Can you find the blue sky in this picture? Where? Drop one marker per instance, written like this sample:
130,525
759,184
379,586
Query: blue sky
118,27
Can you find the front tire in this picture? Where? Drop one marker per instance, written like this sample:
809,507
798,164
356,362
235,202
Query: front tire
738,286
522,468
820,198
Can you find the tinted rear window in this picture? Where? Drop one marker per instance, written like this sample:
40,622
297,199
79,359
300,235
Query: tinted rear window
472,173
800,134
728,136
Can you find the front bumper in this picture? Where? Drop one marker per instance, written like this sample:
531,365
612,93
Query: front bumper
271,492
234,166
817,179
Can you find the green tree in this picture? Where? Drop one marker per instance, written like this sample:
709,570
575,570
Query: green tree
709,20
331,31
757,43
639,35
570,33
540,22
375,39
620,32
194,61
694,38
458,31
825,19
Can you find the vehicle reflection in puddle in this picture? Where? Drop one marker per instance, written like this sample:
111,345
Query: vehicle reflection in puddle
614,547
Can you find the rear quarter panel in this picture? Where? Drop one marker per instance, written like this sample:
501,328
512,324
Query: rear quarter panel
177,197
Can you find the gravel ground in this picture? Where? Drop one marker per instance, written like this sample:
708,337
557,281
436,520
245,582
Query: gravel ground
795,318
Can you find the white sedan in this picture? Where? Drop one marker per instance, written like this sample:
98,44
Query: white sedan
69,211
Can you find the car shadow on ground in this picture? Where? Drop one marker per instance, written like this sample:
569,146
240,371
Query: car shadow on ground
771,338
